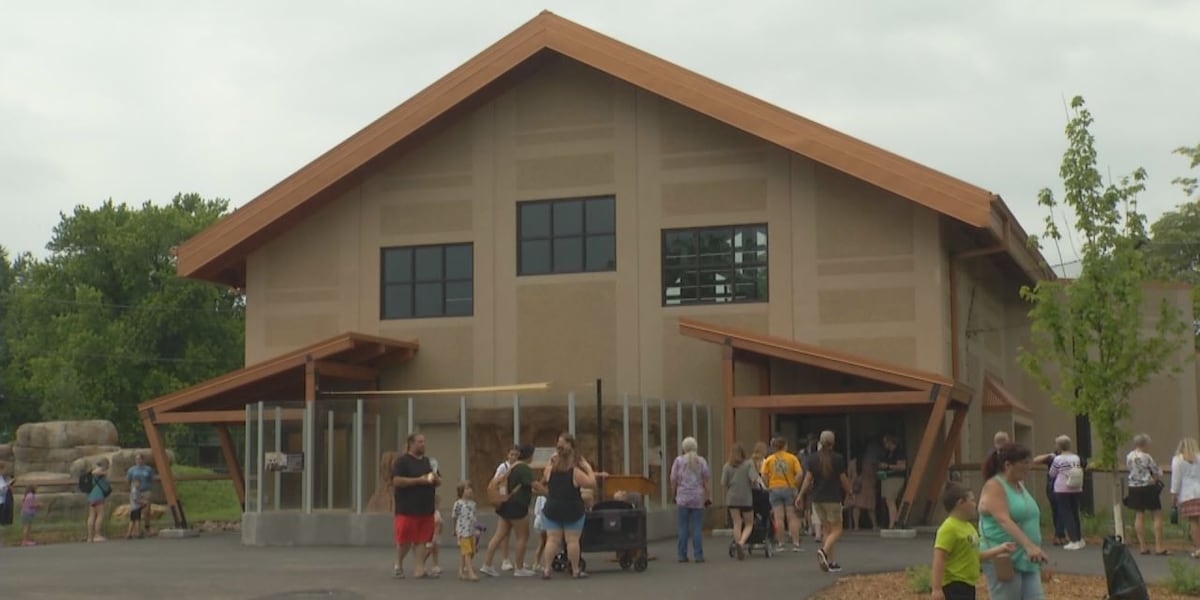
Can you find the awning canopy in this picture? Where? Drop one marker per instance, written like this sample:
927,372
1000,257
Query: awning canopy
349,356
997,398
907,386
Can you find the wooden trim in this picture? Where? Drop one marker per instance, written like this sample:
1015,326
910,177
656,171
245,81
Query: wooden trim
231,463
222,248
816,356
948,450
215,417
339,370
727,388
163,466
270,368
846,400
933,428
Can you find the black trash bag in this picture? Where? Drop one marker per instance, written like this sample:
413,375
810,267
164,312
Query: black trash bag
1120,569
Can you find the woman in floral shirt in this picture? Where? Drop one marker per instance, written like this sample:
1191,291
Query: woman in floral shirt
1145,492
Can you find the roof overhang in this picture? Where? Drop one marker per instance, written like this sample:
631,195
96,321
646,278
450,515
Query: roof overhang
920,387
219,252
997,398
350,356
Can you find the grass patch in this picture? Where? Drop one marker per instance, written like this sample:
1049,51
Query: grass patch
919,579
207,500
1184,577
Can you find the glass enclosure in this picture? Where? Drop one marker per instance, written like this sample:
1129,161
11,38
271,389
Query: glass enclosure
336,453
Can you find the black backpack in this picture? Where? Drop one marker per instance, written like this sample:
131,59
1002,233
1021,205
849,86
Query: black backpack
86,483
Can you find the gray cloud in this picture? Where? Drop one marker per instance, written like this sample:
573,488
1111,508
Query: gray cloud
138,101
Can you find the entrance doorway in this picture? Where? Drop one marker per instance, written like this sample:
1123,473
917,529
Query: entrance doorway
859,437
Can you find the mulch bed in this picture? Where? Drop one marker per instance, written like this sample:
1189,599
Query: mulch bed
893,586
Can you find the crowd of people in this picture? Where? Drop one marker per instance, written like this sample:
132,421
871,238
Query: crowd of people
95,485
1007,546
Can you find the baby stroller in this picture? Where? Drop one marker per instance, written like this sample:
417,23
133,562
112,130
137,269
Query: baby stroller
762,534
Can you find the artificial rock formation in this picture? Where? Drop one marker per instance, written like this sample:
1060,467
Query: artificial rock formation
53,454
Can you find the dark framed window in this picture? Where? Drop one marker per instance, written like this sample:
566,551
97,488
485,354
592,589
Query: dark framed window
427,281
577,235
708,265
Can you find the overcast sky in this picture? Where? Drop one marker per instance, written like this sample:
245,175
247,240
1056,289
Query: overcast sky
140,100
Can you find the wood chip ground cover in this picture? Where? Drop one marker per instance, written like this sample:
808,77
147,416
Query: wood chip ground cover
894,586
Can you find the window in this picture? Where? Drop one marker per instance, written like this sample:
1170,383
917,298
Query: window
427,281
714,265
566,236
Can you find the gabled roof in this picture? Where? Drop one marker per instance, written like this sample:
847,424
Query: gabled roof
218,253
824,358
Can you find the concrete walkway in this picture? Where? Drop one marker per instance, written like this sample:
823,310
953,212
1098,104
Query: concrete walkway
218,566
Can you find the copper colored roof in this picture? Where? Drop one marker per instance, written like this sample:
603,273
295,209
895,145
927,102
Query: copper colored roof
281,377
824,358
218,253
997,398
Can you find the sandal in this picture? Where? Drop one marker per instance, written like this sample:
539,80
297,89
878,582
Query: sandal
580,575
546,574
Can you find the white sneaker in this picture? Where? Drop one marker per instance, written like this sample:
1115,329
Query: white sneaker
506,565
523,573
1074,546
489,570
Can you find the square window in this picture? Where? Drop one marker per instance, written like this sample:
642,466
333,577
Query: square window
715,265
567,236
427,281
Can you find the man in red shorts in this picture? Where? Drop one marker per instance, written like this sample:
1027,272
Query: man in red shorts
415,484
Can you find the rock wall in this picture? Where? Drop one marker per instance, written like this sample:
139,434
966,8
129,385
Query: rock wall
52,455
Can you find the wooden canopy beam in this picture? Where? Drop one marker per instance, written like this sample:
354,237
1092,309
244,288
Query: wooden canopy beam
163,467
842,400
340,370
940,396
942,464
215,417
232,464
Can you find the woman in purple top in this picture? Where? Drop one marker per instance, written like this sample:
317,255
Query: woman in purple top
1067,471
691,484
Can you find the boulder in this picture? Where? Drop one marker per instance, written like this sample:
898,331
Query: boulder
6,452
31,459
6,468
66,434
55,482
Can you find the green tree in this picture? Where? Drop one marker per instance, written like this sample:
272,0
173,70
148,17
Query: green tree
103,323
1189,184
1090,349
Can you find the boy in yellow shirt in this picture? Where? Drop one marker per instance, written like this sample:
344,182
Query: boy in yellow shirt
956,555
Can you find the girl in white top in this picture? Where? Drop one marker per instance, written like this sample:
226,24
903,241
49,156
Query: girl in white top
502,469
1185,487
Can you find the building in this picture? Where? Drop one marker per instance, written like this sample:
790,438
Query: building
566,208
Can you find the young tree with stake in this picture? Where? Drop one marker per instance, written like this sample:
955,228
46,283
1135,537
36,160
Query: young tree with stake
1089,348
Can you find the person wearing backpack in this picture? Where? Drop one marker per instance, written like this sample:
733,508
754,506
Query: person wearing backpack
512,506
1067,471
98,491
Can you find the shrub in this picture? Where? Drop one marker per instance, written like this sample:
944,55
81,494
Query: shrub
919,578
1184,578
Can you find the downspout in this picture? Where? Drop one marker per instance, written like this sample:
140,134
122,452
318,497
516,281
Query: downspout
955,259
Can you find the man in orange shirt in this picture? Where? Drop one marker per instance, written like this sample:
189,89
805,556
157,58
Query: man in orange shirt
781,471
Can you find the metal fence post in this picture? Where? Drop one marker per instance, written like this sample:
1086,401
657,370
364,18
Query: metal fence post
358,444
645,437
462,437
571,413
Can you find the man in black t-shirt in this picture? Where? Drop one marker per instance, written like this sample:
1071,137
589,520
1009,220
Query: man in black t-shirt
415,484
895,468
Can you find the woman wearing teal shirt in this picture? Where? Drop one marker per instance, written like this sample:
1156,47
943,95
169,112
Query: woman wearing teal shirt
1008,513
